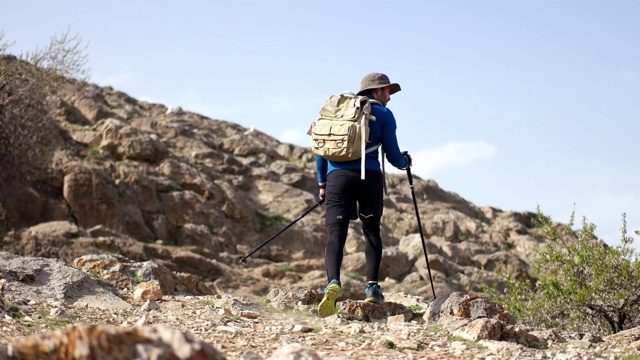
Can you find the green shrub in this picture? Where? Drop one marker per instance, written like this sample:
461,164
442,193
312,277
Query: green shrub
581,282
212,229
92,274
13,311
286,267
269,220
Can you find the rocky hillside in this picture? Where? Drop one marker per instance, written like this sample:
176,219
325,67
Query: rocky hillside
136,193
194,194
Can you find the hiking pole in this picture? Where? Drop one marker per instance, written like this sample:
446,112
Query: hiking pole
243,259
424,246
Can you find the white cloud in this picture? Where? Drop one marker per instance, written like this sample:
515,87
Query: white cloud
429,161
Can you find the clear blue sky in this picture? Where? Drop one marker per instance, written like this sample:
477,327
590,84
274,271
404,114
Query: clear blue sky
511,104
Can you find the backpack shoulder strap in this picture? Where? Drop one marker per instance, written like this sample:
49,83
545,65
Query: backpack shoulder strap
365,125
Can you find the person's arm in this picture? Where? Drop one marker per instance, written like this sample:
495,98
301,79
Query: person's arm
321,168
390,142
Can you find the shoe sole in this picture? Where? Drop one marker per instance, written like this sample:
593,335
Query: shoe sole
327,306
373,300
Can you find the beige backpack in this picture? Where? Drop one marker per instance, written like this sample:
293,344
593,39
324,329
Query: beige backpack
341,132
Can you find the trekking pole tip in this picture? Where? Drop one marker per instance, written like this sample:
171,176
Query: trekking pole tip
242,260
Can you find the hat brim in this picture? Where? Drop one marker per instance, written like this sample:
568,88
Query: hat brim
395,87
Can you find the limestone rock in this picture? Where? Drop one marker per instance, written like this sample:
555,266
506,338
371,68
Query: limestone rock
103,342
147,291
29,278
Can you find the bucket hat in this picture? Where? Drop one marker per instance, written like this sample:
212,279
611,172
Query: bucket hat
376,81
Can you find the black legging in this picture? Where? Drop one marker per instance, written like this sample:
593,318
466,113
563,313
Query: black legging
348,198
337,233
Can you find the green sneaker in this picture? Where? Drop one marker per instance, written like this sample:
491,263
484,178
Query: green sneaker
373,293
327,306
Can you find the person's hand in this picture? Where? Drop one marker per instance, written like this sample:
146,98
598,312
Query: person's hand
323,191
408,158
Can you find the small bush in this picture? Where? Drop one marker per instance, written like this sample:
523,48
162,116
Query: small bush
24,119
28,133
13,311
25,85
4,44
93,274
269,220
286,267
212,229
582,283
64,56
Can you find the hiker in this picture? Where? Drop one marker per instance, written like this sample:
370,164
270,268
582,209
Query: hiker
348,197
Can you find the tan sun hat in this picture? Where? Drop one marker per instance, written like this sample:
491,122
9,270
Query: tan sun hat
375,81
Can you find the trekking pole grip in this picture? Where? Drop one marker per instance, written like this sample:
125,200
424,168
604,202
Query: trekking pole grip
408,158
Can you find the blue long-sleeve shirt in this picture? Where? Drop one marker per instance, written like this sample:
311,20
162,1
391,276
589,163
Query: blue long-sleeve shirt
381,131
